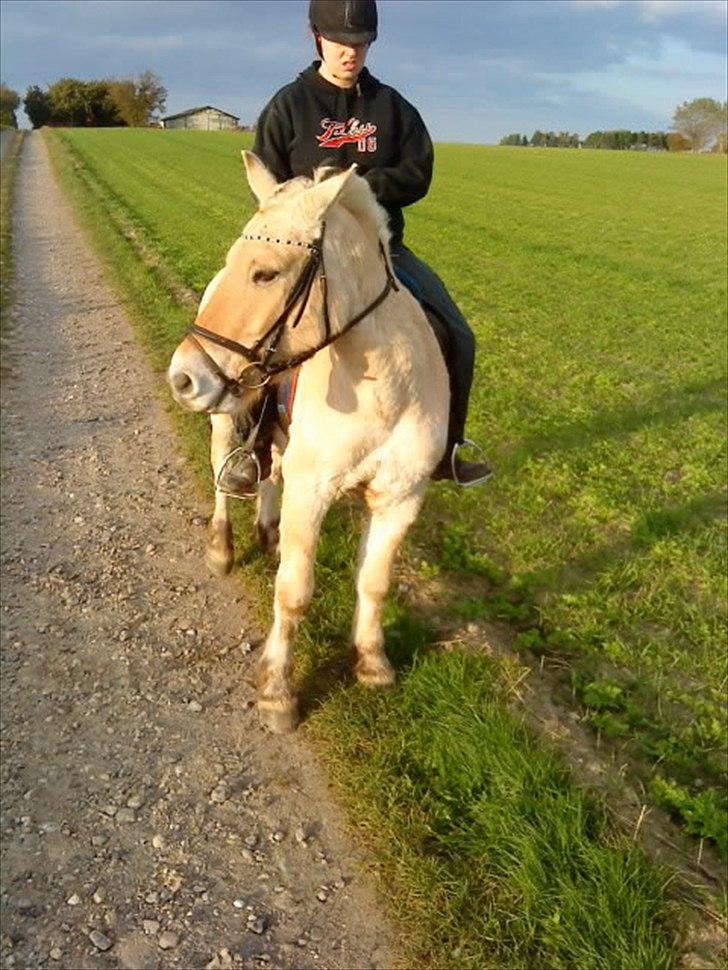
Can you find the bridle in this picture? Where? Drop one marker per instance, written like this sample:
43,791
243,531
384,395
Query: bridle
261,367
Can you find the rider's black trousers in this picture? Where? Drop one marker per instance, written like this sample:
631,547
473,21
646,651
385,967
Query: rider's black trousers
429,289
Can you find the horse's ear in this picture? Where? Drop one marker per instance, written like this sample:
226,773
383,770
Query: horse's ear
261,181
320,197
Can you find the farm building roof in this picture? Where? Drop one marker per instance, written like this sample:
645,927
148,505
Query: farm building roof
193,111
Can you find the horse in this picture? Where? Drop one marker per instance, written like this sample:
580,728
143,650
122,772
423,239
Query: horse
310,285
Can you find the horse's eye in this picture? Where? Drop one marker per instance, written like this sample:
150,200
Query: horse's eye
263,276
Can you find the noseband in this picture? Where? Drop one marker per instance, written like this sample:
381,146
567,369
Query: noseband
261,367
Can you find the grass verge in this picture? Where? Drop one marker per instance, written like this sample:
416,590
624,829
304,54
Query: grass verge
492,856
9,169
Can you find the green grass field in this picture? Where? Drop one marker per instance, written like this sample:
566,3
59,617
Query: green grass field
595,284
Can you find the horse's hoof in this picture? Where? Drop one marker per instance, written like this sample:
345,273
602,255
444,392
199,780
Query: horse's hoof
279,716
218,561
371,673
219,553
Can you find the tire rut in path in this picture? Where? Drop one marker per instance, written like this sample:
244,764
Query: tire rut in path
147,821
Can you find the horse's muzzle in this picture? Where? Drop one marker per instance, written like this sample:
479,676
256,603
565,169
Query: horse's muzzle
194,385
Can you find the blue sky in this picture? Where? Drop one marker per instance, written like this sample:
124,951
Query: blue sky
476,69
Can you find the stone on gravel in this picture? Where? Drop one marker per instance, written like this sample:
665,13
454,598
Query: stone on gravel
223,960
100,940
56,953
126,816
74,900
167,940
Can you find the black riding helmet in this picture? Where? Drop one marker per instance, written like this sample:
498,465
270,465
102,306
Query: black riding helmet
344,21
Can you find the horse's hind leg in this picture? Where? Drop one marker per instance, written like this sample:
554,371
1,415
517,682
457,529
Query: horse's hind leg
382,536
219,553
268,514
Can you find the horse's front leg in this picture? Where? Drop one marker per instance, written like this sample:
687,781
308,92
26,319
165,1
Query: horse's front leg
379,543
219,553
302,512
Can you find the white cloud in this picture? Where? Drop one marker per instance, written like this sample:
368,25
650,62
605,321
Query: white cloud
592,4
655,11
162,42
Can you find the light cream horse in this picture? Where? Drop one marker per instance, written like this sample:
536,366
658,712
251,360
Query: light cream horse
371,408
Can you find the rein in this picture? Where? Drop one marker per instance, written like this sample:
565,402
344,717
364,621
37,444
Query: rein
260,367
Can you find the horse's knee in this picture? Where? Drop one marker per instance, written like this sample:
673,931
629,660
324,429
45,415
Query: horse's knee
293,593
219,553
373,587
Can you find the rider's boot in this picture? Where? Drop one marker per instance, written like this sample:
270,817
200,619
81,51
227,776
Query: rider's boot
248,465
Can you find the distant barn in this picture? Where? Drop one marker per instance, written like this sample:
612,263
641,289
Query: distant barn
206,118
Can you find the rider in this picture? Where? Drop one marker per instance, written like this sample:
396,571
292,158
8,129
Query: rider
336,113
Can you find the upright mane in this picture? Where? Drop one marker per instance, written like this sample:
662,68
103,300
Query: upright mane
357,198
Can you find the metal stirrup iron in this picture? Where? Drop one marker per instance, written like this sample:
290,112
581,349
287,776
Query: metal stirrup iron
453,463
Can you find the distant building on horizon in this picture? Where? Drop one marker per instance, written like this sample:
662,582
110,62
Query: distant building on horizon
206,118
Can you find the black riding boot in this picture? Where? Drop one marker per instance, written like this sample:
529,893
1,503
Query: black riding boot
249,464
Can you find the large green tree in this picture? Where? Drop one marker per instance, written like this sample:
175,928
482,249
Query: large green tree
702,122
9,103
37,104
140,100
152,93
84,104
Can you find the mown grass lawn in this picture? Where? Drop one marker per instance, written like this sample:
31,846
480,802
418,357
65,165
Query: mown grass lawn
595,284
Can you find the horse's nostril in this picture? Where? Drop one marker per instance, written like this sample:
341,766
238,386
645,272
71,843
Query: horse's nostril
181,382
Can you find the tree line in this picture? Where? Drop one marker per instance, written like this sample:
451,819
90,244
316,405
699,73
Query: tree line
618,139
111,102
699,125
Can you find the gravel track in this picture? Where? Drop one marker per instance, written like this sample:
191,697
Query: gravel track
147,819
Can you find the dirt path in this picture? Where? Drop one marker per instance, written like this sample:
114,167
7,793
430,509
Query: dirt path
147,819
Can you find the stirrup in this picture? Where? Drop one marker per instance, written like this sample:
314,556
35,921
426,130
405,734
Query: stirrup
453,464
226,476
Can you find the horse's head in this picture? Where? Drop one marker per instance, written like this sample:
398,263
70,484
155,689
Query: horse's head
268,303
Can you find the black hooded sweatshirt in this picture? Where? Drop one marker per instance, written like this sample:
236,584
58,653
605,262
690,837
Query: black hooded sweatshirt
312,122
